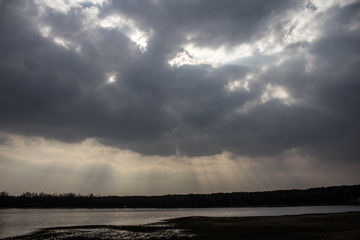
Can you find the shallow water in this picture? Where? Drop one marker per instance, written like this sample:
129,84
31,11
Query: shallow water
109,232
14,222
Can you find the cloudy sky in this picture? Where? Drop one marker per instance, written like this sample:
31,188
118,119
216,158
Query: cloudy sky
178,96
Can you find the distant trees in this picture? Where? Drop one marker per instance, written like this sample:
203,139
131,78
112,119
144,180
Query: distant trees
313,196
4,194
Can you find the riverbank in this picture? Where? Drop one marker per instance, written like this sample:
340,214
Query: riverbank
309,226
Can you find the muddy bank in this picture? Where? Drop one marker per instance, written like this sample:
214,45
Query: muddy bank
105,232
310,226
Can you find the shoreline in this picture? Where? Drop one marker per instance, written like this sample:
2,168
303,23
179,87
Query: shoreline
225,207
304,226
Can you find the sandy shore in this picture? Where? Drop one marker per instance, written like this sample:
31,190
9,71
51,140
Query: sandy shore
310,226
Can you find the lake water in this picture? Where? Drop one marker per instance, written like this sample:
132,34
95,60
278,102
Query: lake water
14,222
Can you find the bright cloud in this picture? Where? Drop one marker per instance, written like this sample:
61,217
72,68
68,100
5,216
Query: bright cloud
127,26
90,167
193,55
274,92
89,11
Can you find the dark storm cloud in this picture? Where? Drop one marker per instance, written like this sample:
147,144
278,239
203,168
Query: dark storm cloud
54,91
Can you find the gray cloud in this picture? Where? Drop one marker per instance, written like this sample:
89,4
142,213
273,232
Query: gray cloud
51,90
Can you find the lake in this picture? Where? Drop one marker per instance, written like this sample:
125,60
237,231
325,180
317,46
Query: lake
14,222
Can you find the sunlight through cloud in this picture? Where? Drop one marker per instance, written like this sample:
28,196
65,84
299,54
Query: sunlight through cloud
111,78
65,6
274,92
236,85
129,28
91,167
193,55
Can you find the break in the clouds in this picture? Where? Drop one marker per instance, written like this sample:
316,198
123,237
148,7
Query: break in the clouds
198,78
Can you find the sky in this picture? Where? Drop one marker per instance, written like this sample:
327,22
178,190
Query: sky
157,97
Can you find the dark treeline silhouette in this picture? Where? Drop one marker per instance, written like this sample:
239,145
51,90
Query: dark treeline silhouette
312,196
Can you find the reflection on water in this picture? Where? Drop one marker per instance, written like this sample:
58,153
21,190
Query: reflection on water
15,222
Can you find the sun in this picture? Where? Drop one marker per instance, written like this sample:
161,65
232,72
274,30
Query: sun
111,78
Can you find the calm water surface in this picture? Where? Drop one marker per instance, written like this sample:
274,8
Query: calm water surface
14,222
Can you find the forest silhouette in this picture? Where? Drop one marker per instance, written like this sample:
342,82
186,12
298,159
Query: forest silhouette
295,197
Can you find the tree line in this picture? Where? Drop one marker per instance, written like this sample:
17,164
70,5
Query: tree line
293,197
